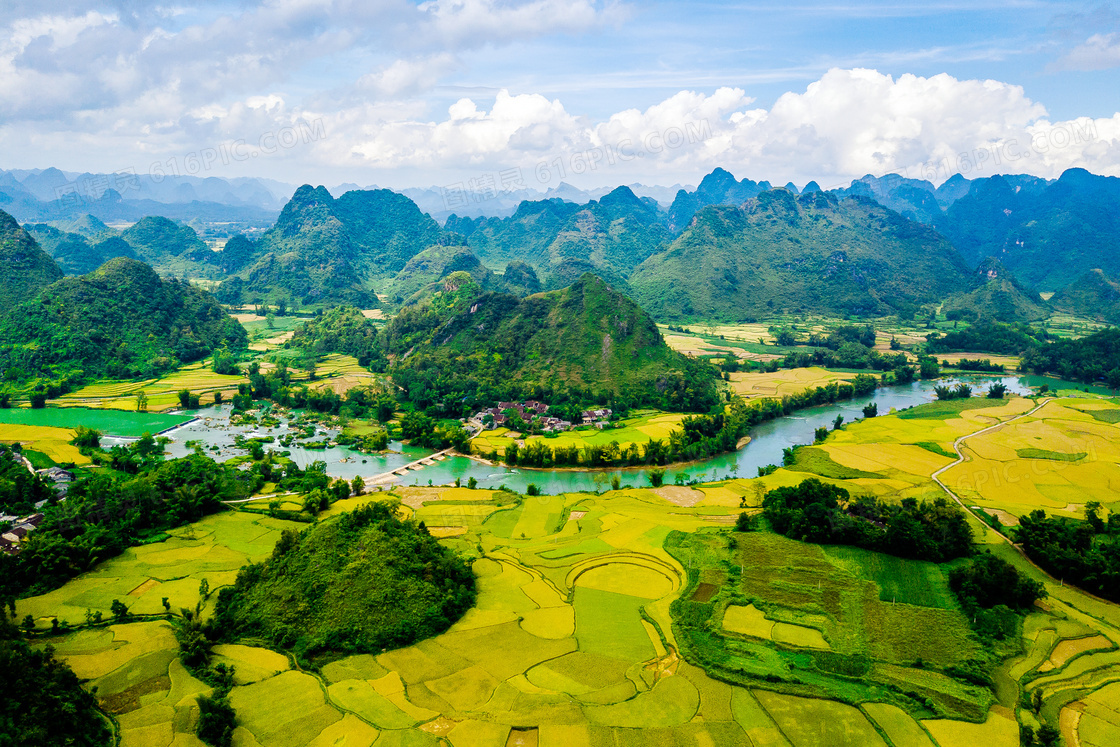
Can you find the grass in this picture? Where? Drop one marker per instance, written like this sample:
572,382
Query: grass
820,462
942,410
907,581
808,721
1057,456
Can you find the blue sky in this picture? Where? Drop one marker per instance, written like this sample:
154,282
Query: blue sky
405,94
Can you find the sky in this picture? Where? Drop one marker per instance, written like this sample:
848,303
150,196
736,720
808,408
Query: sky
503,94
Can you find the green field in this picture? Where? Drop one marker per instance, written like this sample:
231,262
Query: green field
109,422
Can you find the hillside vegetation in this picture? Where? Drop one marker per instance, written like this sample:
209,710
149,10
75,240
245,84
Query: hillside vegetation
1094,294
588,337
25,269
121,321
561,240
787,254
359,583
1048,234
996,294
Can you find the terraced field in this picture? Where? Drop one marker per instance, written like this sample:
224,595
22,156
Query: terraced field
337,372
162,392
573,640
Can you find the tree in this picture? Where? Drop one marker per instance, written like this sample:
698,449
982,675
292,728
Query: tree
119,610
166,604
357,485
184,398
838,422
745,522
656,477
928,368
28,623
870,410
216,721
141,401
1092,515
997,390
472,483
1049,735
86,438
820,434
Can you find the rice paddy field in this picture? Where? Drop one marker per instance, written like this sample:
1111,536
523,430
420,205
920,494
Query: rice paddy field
162,392
52,442
337,372
638,429
1058,458
758,385
575,639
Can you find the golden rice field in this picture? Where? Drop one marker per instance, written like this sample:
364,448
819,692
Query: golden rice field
571,641
1057,459
757,385
162,393
54,442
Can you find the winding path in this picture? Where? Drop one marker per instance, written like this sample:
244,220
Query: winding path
961,460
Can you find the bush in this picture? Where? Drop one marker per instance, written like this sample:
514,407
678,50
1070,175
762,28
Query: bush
746,522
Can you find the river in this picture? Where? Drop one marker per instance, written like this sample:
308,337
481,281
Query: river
212,429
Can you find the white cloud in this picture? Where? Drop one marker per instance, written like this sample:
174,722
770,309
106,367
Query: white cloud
407,76
848,123
1098,52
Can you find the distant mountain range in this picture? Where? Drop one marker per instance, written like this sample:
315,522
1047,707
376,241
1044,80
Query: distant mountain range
729,249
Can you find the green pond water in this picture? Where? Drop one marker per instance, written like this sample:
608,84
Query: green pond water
109,422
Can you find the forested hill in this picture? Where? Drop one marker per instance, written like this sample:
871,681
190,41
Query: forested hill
327,250
1094,294
120,321
996,294
561,240
25,268
782,253
467,343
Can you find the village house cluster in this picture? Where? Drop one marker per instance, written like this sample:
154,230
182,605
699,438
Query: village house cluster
519,415
21,527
